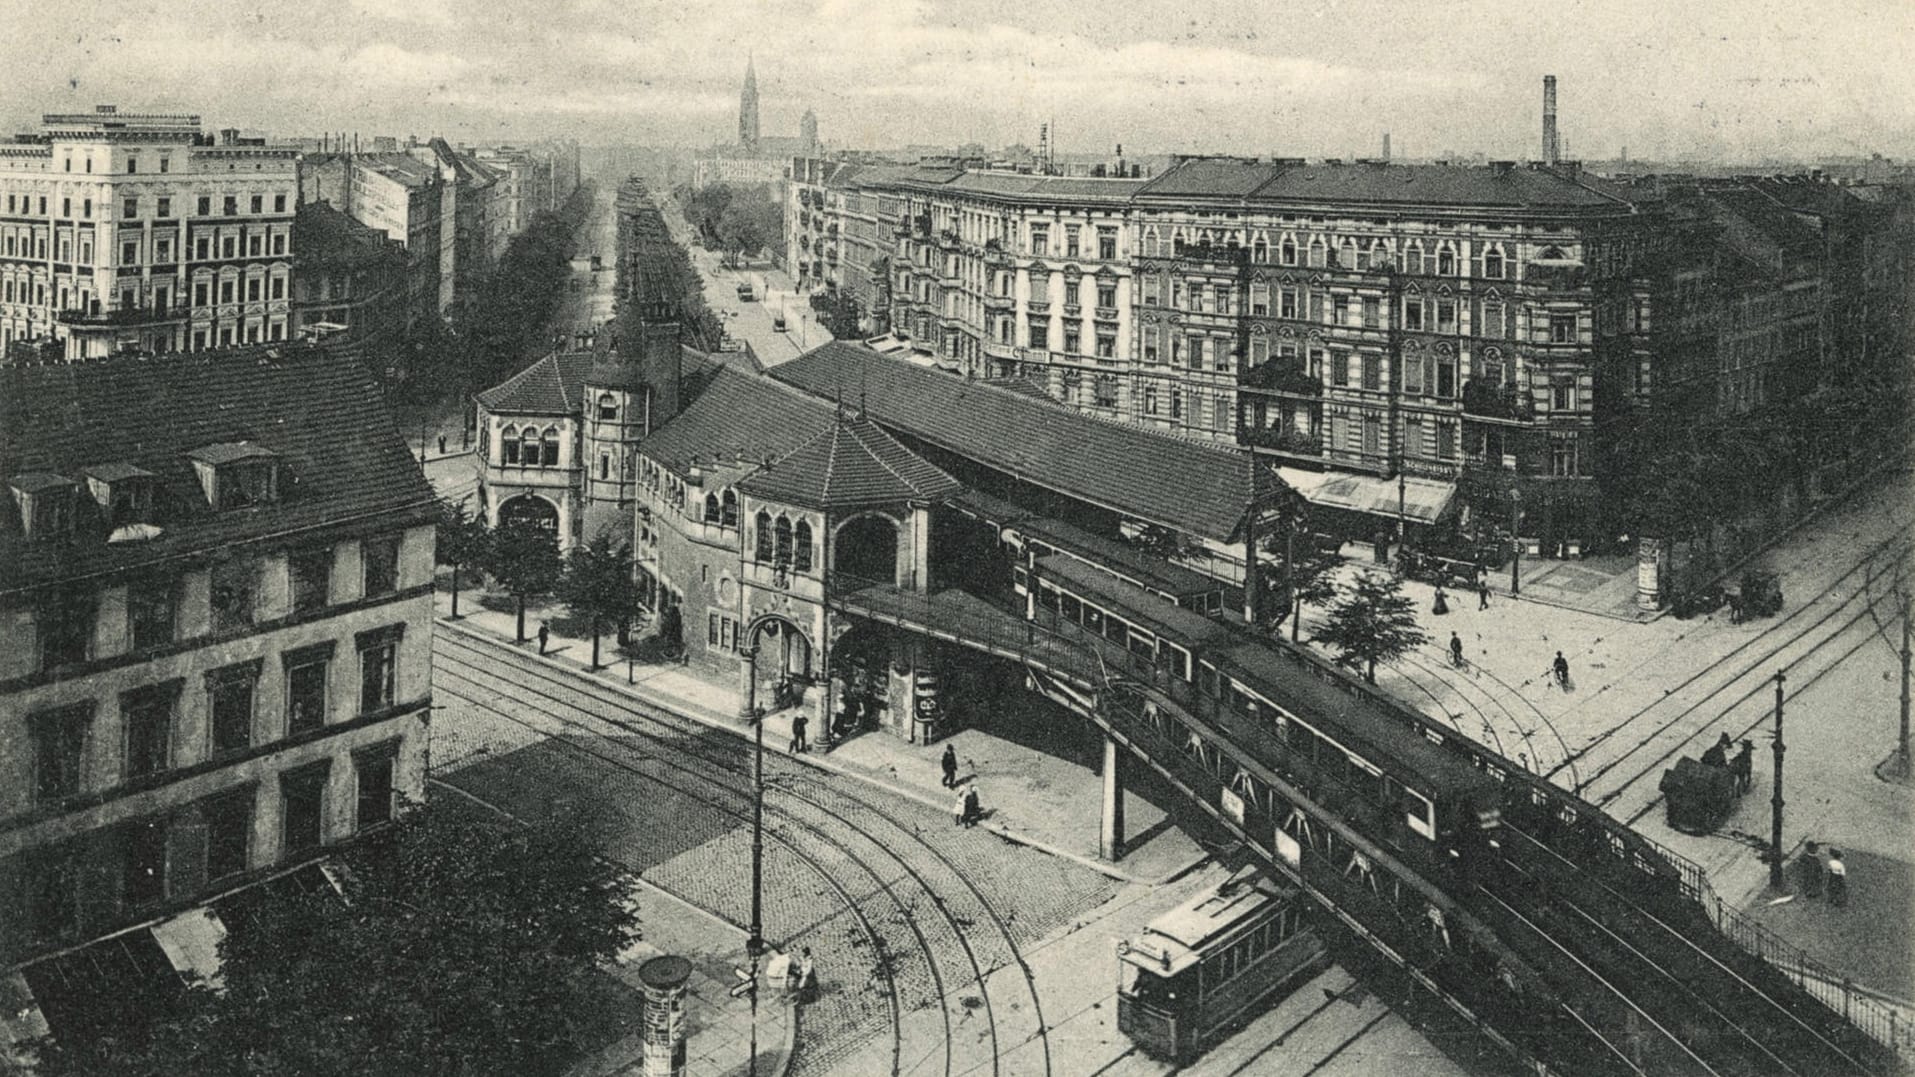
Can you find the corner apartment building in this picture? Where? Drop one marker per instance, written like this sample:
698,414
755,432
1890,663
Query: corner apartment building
139,231
1002,274
216,588
349,281
406,199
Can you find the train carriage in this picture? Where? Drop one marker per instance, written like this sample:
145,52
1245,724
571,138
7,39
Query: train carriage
1201,970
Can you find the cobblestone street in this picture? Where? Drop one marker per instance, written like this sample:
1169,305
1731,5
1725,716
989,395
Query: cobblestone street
908,917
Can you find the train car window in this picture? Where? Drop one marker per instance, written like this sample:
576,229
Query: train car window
1093,618
1073,610
1020,577
1142,643
1047,597
1417,813
1207,678
1180,663
1115,629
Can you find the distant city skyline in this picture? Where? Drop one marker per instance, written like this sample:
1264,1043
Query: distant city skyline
1737,80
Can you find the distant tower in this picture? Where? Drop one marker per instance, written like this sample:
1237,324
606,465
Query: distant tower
808,130
1386,145
1549,119
748,109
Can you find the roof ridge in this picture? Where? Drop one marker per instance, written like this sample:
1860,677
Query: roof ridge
881,461
831,460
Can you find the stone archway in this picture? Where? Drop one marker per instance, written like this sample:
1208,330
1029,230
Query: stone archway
865,547
529,508
788,666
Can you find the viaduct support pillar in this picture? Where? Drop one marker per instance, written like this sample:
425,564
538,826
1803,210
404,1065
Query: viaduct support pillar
1110,843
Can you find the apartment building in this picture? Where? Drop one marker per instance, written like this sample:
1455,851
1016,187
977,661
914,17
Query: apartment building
403,197
139,231
216,586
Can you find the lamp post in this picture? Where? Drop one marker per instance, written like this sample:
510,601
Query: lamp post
1515,544
755,944
1775,801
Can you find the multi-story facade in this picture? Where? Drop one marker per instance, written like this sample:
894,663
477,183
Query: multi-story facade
133,231
1002,274
349,280
216,588
402,197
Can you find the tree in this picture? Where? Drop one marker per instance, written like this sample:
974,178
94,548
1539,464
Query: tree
1374,623
524,558
1160,542
1310,581
461,946
462,541
598,585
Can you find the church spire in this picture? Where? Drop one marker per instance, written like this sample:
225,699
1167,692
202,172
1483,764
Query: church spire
748,108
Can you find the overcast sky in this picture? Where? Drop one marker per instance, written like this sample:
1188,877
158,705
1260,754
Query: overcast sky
1721,78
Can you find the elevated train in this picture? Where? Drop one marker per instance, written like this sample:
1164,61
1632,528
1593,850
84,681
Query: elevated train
1431,797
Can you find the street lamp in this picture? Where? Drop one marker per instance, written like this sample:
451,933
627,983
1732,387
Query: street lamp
755,944
1515,544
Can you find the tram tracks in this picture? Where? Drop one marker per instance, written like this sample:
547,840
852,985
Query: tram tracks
943,885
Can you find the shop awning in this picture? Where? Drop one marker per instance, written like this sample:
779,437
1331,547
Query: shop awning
1422,500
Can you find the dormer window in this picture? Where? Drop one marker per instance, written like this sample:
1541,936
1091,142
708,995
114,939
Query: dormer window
607,407
45,503
237,474
124,493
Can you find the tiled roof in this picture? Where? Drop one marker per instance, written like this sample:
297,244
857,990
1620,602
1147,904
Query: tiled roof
551,386
340,456
1191,487
852,462
1026,186
324,236
738,416
1465,185
1027,386
401,167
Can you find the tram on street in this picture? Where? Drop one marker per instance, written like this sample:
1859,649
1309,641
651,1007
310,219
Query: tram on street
1201,970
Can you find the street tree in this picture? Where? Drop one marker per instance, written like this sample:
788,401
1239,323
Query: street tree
1160,542
598,585
462,540
1374,622
460,945
524,559
1297,574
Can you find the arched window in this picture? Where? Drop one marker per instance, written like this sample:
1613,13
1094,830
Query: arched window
1287,251
1349,257
607,407
1493,263
509,445
1379,254
529,447
1316,252
762,524
782,552
728,510
711,508
1446,261
1260,250
801,553
1413,257
551,443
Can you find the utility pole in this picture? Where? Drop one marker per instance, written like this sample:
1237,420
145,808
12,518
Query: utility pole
755,944
1515,544
1901,745
1775,821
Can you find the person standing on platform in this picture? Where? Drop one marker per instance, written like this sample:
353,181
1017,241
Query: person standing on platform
972,810
1456,650
1482,590
1809,866
545,636
798,725
949,763
957,808
1442,604
1838,879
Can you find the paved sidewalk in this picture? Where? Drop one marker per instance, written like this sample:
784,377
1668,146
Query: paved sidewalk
1030,797
723,1034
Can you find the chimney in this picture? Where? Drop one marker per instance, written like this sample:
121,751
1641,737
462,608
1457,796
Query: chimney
229,136
1549,119
1386,145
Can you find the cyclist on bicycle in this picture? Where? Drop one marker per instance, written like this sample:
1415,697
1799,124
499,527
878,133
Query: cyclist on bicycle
1561,666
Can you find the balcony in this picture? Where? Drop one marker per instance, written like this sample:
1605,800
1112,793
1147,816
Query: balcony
1037,306
999,302
1283,376
994,350
1072,310
91,316
1212,254
995,254
1499,403
948,240
1280,440
1105,314
1556,277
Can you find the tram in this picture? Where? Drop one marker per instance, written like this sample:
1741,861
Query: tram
1199,971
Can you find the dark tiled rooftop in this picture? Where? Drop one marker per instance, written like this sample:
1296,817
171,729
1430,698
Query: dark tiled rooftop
340,457
852,462
551,386
737,416
1191,487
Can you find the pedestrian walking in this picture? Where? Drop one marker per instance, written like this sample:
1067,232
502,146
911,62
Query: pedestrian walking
1456,650
545,636
798,725
1744,767
1717,754
442,444
807,978
958,806
1482,592
1809,866
949,763
1442,604
1561,668
1838,879
972,810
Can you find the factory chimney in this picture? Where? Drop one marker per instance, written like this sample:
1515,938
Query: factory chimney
1386,145
1549,119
